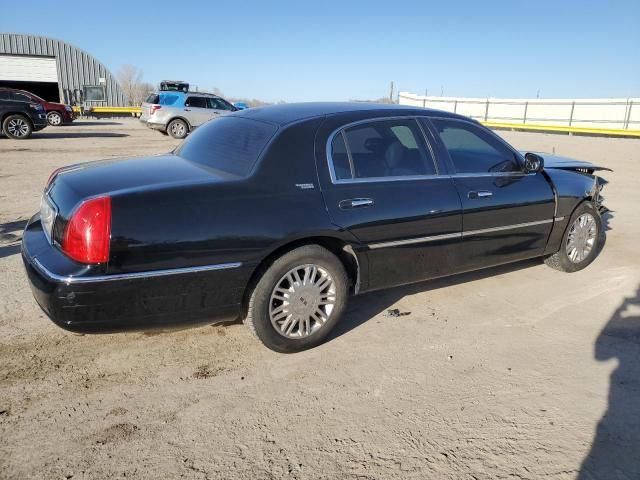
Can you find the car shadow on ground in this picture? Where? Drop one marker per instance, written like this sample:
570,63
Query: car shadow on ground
89,123
615,451
49,134
366,306
10,237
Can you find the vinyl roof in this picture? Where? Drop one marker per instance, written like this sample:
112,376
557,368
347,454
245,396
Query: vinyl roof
291,112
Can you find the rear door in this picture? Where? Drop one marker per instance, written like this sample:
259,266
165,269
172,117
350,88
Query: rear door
507,213
380,181
196,110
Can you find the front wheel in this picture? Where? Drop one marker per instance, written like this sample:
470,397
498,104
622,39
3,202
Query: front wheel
17,127
178,128
54,119
582,240
298,299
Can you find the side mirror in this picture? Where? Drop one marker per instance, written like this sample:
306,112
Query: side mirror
533,163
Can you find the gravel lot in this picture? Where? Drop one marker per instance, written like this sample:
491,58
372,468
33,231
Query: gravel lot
505,373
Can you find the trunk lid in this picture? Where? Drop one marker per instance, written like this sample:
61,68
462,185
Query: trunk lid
75,183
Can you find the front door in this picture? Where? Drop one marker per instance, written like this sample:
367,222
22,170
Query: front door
380,181
507,213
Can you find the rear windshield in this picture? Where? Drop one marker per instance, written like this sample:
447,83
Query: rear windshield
228,144
153,98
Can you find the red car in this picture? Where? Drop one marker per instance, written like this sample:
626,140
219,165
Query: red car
57,113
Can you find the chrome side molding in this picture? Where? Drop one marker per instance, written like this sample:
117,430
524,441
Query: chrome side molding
448,236
130,276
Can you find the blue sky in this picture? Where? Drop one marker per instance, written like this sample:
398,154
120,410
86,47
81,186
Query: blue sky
340,50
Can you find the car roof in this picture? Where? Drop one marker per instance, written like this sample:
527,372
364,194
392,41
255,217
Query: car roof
286,113
180,92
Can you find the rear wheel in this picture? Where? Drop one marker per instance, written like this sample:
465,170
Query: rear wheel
54,119
178,128
17,127
298,299
581,242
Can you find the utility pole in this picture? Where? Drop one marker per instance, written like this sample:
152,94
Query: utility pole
426,92
391,92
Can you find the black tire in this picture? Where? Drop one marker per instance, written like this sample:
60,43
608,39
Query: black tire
178,128
561,260
54,119
258,320
17,127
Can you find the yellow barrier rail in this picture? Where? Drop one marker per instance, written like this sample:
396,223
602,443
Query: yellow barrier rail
565,129
132,110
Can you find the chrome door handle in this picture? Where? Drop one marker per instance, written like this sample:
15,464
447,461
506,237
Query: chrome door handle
480,194
355,203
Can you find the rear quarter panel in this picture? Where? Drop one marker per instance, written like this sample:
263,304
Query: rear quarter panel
241,220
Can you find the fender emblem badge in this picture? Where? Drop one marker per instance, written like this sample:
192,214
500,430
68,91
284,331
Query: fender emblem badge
305,186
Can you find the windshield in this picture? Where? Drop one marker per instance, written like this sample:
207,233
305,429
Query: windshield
229,144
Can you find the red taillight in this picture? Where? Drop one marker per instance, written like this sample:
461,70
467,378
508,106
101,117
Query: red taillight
88,232
154,108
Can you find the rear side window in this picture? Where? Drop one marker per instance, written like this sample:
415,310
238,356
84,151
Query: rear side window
380,149
229,144
196,102
474,150
153,98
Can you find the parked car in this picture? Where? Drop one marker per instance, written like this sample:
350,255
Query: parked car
19,115
57,113
178,113
276,215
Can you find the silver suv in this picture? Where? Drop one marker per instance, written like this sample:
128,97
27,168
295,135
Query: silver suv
178,113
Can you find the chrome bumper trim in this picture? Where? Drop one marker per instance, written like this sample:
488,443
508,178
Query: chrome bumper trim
130,276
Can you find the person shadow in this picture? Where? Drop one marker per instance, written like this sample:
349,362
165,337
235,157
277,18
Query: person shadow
615,451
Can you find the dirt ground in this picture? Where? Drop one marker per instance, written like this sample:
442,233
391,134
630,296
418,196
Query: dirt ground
516,372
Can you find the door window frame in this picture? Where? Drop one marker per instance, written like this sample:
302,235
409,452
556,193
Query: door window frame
451,165
416,118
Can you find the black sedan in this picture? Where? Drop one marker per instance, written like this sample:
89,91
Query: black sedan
276,215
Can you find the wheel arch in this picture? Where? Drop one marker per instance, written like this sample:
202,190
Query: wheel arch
342,249
8,114
178,117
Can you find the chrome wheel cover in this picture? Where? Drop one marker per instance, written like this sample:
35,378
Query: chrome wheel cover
581,238
178,129
18,127
302,301
55,118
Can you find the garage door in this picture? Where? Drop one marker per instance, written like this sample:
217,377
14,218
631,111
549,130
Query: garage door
28,69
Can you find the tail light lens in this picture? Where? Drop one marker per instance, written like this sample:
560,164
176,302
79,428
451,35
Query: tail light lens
154,108
88,233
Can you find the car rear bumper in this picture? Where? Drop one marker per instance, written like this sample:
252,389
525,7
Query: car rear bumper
80,299
156,126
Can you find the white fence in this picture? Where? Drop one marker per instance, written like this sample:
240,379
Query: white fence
605,113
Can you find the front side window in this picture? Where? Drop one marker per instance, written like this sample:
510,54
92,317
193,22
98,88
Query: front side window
21,97
196,102
379,149
473,150
220,104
